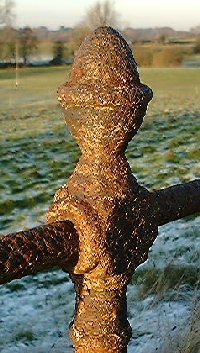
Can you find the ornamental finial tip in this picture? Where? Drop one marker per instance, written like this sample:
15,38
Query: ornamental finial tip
104,74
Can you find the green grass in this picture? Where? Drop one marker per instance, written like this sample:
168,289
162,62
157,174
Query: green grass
175,90
25,335
160,281
38,154
186,339
37,88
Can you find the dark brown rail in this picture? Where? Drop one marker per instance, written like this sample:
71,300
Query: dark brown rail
177,201
37,249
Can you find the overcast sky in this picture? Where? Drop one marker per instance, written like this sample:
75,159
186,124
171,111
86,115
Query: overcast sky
179,14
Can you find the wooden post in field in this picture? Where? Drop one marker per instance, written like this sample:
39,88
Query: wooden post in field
102,222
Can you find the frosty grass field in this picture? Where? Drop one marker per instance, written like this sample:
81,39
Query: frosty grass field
38,155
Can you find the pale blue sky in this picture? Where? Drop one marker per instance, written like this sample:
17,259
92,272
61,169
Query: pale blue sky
179,14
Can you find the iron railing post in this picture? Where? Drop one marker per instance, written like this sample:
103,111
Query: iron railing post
102,222
116,219
38,249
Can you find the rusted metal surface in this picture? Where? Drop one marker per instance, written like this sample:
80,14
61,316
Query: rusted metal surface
116,219
40,248
112,220
177,201
104,104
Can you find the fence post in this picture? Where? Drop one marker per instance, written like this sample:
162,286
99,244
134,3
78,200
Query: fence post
102,223
104,103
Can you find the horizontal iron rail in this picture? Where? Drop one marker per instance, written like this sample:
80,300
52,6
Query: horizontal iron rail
177,201
56,244
30,251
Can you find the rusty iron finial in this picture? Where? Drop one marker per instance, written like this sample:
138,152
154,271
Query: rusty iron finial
102,222
104,104
104,74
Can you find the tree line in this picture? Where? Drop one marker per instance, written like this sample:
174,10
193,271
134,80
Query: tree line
21,44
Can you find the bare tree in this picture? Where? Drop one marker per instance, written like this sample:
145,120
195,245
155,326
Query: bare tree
27,43
102,13
58,53
196,48
8,37
75,38
1,13
7,33
7,15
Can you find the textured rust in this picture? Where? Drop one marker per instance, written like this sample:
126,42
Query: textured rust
104,74
116,219
177,201
40,248
106,221
104,103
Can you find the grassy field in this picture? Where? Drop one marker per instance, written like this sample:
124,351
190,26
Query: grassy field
175,90
166,150
38,155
